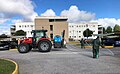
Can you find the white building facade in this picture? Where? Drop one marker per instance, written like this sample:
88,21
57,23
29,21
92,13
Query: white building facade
25,26
76,29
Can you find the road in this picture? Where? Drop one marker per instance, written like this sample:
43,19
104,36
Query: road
70,60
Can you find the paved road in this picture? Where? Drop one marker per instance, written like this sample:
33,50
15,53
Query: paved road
72,60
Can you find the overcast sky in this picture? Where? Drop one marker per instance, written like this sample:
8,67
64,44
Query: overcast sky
106,12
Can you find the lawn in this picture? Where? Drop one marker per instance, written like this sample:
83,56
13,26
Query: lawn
74,42
6,67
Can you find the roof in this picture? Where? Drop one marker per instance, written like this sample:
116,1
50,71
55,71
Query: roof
24,23
51,17
83,23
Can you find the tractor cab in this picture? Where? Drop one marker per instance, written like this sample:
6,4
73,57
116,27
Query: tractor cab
37,34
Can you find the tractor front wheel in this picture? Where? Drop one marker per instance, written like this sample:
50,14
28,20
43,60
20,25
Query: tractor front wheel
44,46
23,48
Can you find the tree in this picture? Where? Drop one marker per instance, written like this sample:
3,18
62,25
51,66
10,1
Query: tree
20,33
109,29
87,33
116,28
3,36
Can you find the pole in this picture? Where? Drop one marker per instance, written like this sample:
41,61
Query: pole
102,31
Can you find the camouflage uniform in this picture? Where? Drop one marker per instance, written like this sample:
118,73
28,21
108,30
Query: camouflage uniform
96,45
82,43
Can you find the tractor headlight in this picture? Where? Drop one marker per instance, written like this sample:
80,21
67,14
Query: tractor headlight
55,40
59,40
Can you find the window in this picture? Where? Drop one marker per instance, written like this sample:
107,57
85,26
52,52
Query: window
79,31
57,20
42,28
25,25
86,25
31,25
51,27
79,36
51,20
20,26
70,36
28,26
39,35
74,36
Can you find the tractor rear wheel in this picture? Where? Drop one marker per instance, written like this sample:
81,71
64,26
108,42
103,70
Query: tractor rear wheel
23,48
44,46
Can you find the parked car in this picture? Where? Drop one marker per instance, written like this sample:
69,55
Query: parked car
117,43
7,44
4,45
111,41
108,41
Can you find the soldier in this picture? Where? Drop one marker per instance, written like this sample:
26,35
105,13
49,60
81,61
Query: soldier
82,43
96,45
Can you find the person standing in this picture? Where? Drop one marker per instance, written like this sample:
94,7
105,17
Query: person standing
82,43
96,45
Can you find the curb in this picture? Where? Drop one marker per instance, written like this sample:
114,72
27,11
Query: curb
109,46
100,47
88,46
16,65
12,49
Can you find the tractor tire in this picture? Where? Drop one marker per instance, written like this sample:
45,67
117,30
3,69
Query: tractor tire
23,48
44,46
30,48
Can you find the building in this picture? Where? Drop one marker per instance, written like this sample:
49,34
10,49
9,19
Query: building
25,26
100,29
76,29
54,24
12,30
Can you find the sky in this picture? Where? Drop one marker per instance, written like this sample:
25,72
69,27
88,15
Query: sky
105,12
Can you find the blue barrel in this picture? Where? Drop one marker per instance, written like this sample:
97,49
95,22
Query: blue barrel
57,41
57,38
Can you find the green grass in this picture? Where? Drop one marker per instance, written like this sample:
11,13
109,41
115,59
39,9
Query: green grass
6,67
74,42
78,45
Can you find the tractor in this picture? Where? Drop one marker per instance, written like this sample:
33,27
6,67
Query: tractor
39,40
